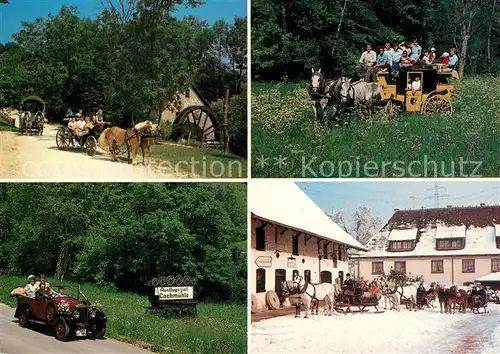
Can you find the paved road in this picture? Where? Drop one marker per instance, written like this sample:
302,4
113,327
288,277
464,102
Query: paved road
37,157
14,339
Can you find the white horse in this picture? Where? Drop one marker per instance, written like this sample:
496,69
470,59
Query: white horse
320,91
360,91
409,292
26,121
317,292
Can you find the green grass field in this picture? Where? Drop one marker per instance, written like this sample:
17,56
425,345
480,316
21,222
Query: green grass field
464,144
219,328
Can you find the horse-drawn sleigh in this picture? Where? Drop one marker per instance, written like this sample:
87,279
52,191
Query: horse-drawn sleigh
301,292
346,300
32,118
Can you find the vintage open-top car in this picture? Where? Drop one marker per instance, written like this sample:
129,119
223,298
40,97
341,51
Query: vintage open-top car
68,316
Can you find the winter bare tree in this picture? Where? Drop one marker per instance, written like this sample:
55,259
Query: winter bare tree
338,218
364,224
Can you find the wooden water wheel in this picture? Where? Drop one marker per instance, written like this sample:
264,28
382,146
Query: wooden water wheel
203,125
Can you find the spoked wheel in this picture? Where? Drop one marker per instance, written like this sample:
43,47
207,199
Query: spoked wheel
435,105
24,318
61,330
91,145
62,139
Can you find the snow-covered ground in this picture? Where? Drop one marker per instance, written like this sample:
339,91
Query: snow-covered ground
426,331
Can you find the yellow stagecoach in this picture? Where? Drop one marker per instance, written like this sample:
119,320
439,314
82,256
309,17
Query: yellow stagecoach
433,97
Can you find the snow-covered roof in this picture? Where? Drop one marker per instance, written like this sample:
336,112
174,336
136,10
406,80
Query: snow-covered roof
479,241
453,231
403,235
479,226
284,203
490,277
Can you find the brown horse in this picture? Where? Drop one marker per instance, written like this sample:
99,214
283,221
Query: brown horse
147,140
452,298
114,138
463,300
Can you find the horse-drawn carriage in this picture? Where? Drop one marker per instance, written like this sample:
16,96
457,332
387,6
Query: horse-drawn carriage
32,118
473,302
434,95
86,140
431,95
347,299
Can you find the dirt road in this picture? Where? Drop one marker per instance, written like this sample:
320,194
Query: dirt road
37,157
14,339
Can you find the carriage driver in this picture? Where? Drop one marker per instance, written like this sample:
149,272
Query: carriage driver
368,59
348,287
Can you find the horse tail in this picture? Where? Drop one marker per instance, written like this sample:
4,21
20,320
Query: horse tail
102,142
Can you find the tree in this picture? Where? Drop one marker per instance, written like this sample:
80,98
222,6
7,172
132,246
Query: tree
364,224
126,234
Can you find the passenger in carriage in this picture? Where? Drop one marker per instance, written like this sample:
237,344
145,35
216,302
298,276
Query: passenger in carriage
415,86
445,58
416,51
69,113
432,55
100,116
397,52
30,288
405,62
453,62
482,292
375,289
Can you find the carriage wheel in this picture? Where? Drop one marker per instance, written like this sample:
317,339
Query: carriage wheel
62,139
436,104
203,119
91,145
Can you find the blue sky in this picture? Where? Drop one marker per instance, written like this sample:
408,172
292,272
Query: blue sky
17,11
383,197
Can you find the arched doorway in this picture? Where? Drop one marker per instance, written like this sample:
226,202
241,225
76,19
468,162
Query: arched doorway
307,275
326,276
279,277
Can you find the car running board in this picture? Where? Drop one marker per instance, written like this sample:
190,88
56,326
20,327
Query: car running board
37,321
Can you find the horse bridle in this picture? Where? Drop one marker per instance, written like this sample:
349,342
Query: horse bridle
304,289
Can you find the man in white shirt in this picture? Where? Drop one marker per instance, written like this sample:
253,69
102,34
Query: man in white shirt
368,59
389,52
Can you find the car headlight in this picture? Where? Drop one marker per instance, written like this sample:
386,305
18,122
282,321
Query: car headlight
76,314
92,314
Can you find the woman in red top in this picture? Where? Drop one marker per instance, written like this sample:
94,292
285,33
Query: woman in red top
432,55
445,58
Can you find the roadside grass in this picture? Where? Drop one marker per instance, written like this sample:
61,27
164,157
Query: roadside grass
219,328
409,145
196,161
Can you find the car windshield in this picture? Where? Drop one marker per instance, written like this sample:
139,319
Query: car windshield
65,290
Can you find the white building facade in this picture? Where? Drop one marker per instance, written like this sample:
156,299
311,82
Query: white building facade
291,235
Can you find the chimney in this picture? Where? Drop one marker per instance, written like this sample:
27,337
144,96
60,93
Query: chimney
482,204
449,206
396,209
